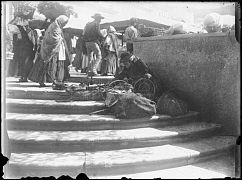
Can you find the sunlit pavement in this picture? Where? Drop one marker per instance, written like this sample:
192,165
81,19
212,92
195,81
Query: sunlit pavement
220,167
185,172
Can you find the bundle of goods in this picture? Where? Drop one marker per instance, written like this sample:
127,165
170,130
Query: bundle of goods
170,104
83,92
125,104
176,29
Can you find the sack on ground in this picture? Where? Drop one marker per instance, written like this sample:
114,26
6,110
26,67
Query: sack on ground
130,105
171,105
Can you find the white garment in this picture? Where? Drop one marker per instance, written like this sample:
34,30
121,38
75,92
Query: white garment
62,53
109,42
130,33
13,29
73,42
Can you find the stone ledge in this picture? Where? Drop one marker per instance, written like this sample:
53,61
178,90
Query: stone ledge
184,36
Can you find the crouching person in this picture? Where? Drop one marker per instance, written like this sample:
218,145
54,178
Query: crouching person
132,68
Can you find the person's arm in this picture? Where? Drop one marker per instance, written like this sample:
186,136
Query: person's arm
12,26
147,72
14,20
121,75
100,36
139,69
143,65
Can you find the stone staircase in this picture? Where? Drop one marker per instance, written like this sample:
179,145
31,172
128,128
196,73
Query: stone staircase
55,138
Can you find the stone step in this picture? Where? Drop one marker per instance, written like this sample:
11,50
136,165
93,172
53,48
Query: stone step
76,77
52,107
10,84
114,162
219,167
83,78
72,141
47,93
84,122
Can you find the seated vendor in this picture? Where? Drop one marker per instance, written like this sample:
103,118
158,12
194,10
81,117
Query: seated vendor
132,68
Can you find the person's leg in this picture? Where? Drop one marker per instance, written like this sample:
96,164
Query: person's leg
60,71
52,68
113,63
90,55
21,67
43,74
97,52
129,46
28,66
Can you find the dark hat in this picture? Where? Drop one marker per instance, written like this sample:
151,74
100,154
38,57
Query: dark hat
124,57
97,16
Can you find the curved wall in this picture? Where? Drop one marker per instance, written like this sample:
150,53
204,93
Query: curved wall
204,68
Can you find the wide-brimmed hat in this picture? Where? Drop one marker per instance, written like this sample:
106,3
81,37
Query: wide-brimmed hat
97,16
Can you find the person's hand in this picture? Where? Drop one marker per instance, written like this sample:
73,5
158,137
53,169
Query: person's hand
147,75
126,79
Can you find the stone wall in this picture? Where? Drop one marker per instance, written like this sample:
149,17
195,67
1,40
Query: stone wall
203,68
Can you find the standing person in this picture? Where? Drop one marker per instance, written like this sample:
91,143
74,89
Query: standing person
28,52
38,63
80,52
130,33
24,48
16,37
50,62
110,61
92,38
53,51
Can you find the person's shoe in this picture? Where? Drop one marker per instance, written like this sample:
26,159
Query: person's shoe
90,73
93,74
22,80
58,86
96,74
109,74
42,85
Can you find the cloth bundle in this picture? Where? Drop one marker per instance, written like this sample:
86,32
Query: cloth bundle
129,105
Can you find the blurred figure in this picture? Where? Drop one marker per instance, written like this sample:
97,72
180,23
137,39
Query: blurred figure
38,40
23,47
145,31
77,62
213,23
130,33
93,38
34,73
177,28
110,53
9,50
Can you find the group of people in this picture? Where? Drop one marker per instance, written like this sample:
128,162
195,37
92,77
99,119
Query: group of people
100,48
40,56
43,56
